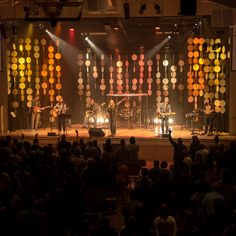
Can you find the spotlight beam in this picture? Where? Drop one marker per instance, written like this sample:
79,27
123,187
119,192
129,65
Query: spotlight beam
150,53
96,49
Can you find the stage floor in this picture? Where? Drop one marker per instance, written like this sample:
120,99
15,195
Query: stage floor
138,132
152,146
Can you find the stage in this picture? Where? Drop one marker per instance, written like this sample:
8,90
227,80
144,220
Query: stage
152,146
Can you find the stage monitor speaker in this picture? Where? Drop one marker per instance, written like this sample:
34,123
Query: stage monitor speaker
165,135
188,7
51,134
96,132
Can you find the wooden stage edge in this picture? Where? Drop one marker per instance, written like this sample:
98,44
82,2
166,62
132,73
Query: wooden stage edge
152,146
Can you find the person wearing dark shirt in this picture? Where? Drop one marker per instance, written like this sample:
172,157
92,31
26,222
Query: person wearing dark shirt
178,148
35,117
164,112
63,144
112,108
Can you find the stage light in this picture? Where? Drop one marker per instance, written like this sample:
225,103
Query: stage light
126,9
116,27
157,8
143,7
169,37
27,11
14,30
72,29
35,11
53,22
86,38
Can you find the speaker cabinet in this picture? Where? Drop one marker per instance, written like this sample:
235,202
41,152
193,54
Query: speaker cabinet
96,132
188,7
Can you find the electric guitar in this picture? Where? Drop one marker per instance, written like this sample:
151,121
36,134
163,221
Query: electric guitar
39,109
165,114
93,111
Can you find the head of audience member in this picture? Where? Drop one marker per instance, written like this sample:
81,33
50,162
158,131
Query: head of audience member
122,143
164,211
195,139
202,146
90,143
216,187
164,164
132,140
156,163
77,151
90,163
216,139
144,172
92,101
63,137
180,141
108,146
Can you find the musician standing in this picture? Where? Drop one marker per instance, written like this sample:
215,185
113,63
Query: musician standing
61,109
164,112
112,116
112,109
91,112
208,112
35,116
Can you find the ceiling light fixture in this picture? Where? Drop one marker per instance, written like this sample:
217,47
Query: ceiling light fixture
142,8
157,8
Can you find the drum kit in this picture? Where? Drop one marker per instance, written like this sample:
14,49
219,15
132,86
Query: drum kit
195,120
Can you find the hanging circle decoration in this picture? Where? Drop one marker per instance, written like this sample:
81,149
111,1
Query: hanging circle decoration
111,80
126,75
149,80
134,80
141,64
158,82
102,82
119,81
80,80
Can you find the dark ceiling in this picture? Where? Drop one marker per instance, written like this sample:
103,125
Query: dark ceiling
229,3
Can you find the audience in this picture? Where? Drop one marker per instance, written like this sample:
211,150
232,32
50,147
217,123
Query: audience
62,190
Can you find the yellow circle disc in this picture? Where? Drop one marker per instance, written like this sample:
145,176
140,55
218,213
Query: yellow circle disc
217,69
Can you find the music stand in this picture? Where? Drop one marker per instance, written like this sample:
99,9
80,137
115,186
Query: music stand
51,133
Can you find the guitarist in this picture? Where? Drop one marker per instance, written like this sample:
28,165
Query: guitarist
91,111
164,111
61,109
35,115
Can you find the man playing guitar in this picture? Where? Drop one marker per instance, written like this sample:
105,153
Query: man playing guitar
92,109
61,109
36,110
208,112
164,111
